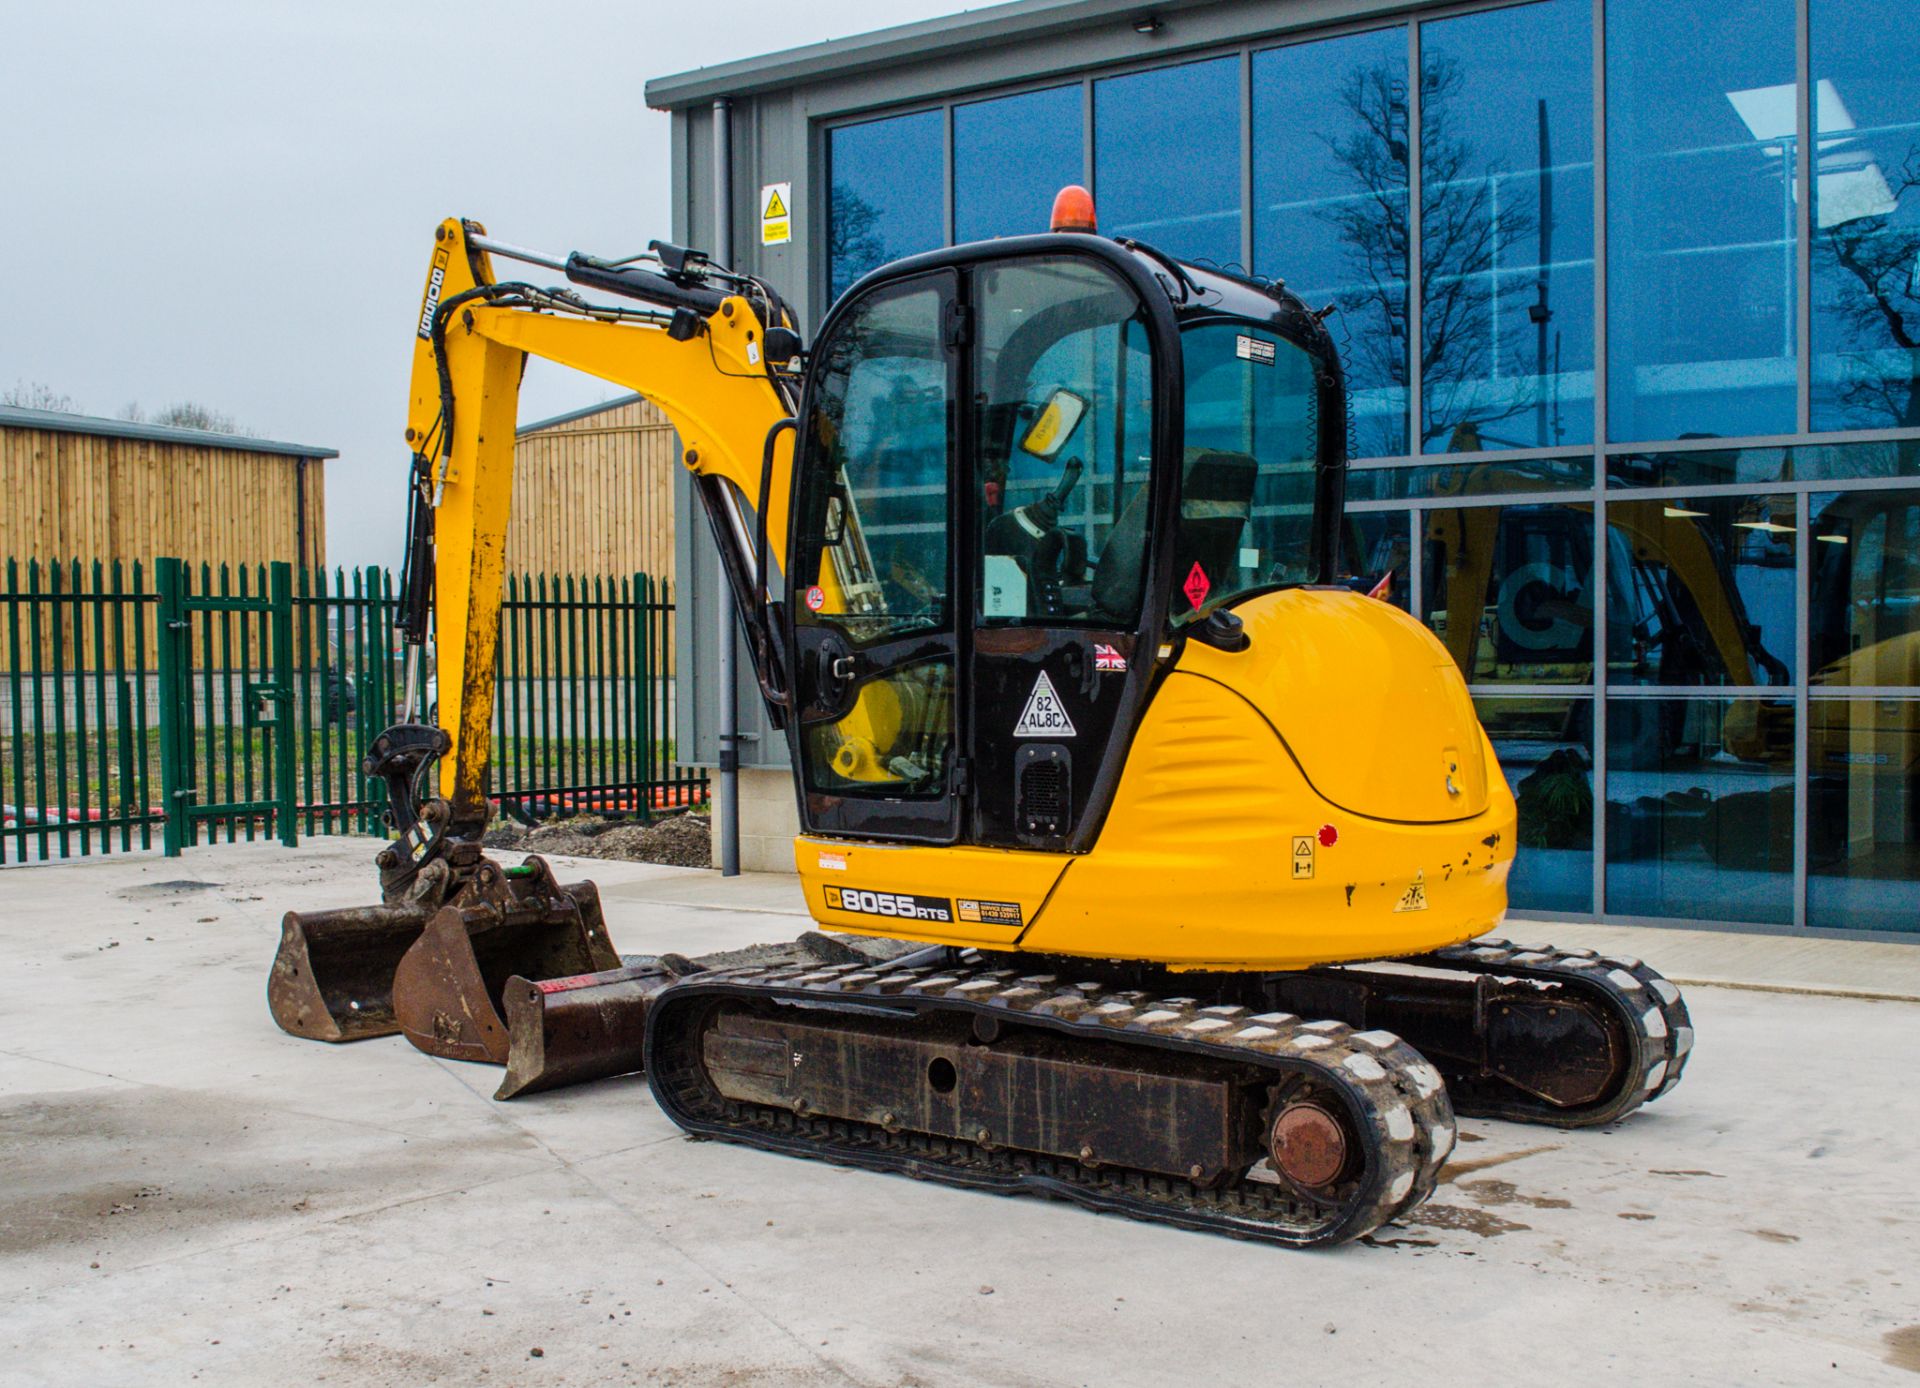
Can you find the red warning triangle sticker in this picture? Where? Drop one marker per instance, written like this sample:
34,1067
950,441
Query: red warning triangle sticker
1197,585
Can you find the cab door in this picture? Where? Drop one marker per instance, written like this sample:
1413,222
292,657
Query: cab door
1061,412
972,553
875,625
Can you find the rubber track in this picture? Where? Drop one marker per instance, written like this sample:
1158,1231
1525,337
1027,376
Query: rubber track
1400,1096
1648,1006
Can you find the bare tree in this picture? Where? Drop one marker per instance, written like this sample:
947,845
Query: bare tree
1461,233
188,415
37,395
1874,300
854,243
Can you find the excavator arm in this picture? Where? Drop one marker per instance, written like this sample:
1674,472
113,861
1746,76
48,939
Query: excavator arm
712,351
697,344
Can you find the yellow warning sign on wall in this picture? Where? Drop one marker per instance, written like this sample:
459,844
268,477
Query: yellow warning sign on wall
1302,855
776,214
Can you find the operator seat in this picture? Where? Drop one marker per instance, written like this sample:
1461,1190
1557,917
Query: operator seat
1216,501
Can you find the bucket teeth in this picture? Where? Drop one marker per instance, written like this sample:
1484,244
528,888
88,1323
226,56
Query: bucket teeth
332,979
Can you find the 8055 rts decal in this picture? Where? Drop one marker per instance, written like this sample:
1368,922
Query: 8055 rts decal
898,905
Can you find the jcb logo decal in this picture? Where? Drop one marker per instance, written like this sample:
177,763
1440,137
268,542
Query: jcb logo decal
899,905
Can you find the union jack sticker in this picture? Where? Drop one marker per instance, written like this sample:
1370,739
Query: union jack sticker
1105,657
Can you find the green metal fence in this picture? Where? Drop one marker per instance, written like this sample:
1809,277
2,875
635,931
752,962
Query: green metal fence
173,705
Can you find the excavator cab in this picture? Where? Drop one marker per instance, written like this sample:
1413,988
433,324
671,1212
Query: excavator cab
1027,470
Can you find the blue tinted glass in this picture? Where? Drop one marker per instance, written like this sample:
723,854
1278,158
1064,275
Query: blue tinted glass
1167,158
1700,809
1866,214
886,204
1010,157
1700,219
1509,591
1545,748
1700,590
1863,604
1376,554
1506,228
1863,827
1330,208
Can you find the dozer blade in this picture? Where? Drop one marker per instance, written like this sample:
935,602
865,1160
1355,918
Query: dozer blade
449,989
565,1031
332,979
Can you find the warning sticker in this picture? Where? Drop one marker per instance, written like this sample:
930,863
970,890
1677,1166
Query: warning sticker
1253,349
1302,856
989,912
833,862
1044,715
816,599
1198,585
1415,897
776,218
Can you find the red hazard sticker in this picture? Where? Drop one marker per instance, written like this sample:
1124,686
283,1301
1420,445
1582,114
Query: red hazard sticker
566,985
1197,585
815,599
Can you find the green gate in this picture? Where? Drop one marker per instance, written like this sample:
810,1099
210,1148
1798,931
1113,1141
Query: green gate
223,651
191,703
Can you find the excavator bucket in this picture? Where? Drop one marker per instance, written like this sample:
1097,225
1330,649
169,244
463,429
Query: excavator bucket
332,979
563,1031
449,989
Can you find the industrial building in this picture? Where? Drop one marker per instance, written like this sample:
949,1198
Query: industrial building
80,487
1630,314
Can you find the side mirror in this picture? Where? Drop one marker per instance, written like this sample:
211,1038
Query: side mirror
1054,425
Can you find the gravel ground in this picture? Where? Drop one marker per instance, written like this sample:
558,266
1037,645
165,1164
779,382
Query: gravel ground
682,841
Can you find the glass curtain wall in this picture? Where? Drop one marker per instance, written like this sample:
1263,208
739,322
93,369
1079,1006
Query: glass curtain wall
880,173
1331,207
1166,158
1506,229
1631,325
1702,278
1865,113
1010,156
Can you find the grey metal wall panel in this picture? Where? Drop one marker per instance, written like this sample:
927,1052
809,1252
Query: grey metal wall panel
990,47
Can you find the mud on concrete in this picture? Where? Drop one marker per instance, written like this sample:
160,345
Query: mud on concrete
682,840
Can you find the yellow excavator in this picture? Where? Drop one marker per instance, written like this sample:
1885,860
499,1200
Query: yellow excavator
1155,854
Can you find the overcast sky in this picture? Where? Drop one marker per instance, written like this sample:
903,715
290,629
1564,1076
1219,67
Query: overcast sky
232,201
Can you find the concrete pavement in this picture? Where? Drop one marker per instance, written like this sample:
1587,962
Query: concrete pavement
185,1192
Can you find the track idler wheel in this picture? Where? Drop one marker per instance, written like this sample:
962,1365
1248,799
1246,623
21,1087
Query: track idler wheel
449,991
1312,1149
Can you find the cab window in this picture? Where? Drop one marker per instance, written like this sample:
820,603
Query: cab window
1063,413
1247,470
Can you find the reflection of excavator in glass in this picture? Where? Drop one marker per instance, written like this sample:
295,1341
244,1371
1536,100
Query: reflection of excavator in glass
1507,601
1132,809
